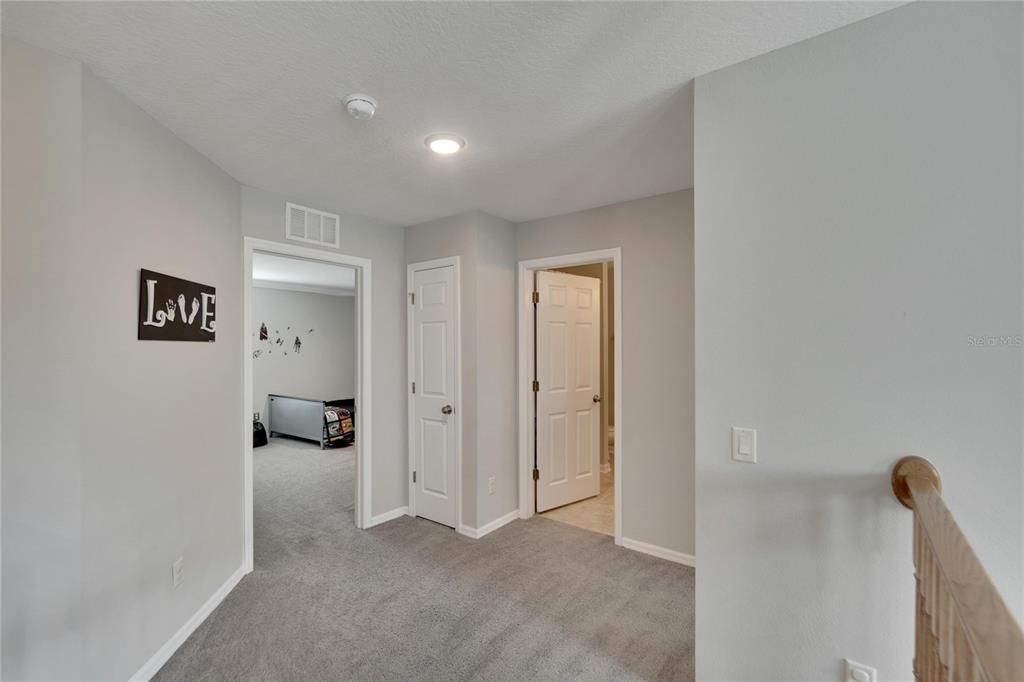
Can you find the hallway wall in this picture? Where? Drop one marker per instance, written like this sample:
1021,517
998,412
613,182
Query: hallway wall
119,455
113,443
263,217
657,433
485,246
859,228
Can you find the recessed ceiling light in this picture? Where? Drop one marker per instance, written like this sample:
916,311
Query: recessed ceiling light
445,143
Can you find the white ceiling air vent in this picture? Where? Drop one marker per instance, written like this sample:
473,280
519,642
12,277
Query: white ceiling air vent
309,225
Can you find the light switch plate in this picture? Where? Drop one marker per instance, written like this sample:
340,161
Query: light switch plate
744,444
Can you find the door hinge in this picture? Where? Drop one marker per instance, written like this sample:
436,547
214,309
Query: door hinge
536,297
414,387
412,298
414,477
536,386
536,474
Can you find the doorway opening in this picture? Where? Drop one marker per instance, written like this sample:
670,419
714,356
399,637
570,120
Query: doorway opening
306,394
578,498
570,436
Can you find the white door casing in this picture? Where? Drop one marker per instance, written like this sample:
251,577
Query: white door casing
568,356
433,330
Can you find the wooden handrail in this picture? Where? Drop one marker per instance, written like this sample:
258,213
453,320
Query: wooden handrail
964,630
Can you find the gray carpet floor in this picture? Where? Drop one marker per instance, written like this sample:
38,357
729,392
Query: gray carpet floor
412,600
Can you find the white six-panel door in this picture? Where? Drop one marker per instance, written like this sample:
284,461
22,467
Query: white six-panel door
432,328
568,355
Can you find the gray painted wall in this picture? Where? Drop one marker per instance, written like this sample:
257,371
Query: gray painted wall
382,243
656,237
497,436
443,238
118,455
324,369
42,481
859,220
485,246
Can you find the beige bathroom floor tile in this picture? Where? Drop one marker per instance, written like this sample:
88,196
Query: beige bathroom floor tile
595,513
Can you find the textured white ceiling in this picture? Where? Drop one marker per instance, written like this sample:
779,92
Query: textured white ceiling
564,105
296,273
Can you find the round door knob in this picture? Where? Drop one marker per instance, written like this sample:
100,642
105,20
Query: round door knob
597,398
447,409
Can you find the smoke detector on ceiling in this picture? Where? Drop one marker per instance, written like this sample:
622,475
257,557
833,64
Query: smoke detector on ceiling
361,107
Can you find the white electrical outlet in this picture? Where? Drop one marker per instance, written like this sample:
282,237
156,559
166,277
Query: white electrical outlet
178,571
858,672
490,485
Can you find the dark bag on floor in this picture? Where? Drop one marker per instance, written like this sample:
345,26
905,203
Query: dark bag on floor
259,435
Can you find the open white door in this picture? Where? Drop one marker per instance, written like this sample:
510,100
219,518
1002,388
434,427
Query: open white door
568,354
432,329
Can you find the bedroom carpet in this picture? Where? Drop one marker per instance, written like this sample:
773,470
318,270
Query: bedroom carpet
412,600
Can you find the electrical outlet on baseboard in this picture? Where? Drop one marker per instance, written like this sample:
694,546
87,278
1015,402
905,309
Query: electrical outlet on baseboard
178,571
490,485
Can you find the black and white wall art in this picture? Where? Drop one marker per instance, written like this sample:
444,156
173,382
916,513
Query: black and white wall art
174,309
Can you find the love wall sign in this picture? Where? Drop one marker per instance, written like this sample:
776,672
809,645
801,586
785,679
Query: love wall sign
173,309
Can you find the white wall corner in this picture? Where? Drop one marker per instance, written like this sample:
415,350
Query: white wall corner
660,552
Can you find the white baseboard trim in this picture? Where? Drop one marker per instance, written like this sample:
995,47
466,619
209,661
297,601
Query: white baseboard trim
477,533
387,516
660,552
154,664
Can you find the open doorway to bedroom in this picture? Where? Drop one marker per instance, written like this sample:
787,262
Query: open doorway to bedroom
303,371
306,341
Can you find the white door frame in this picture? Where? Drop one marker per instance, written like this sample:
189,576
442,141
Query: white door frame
363,393
606,364
527,491
457,389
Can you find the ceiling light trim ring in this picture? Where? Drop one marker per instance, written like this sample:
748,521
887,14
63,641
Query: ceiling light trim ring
458,142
